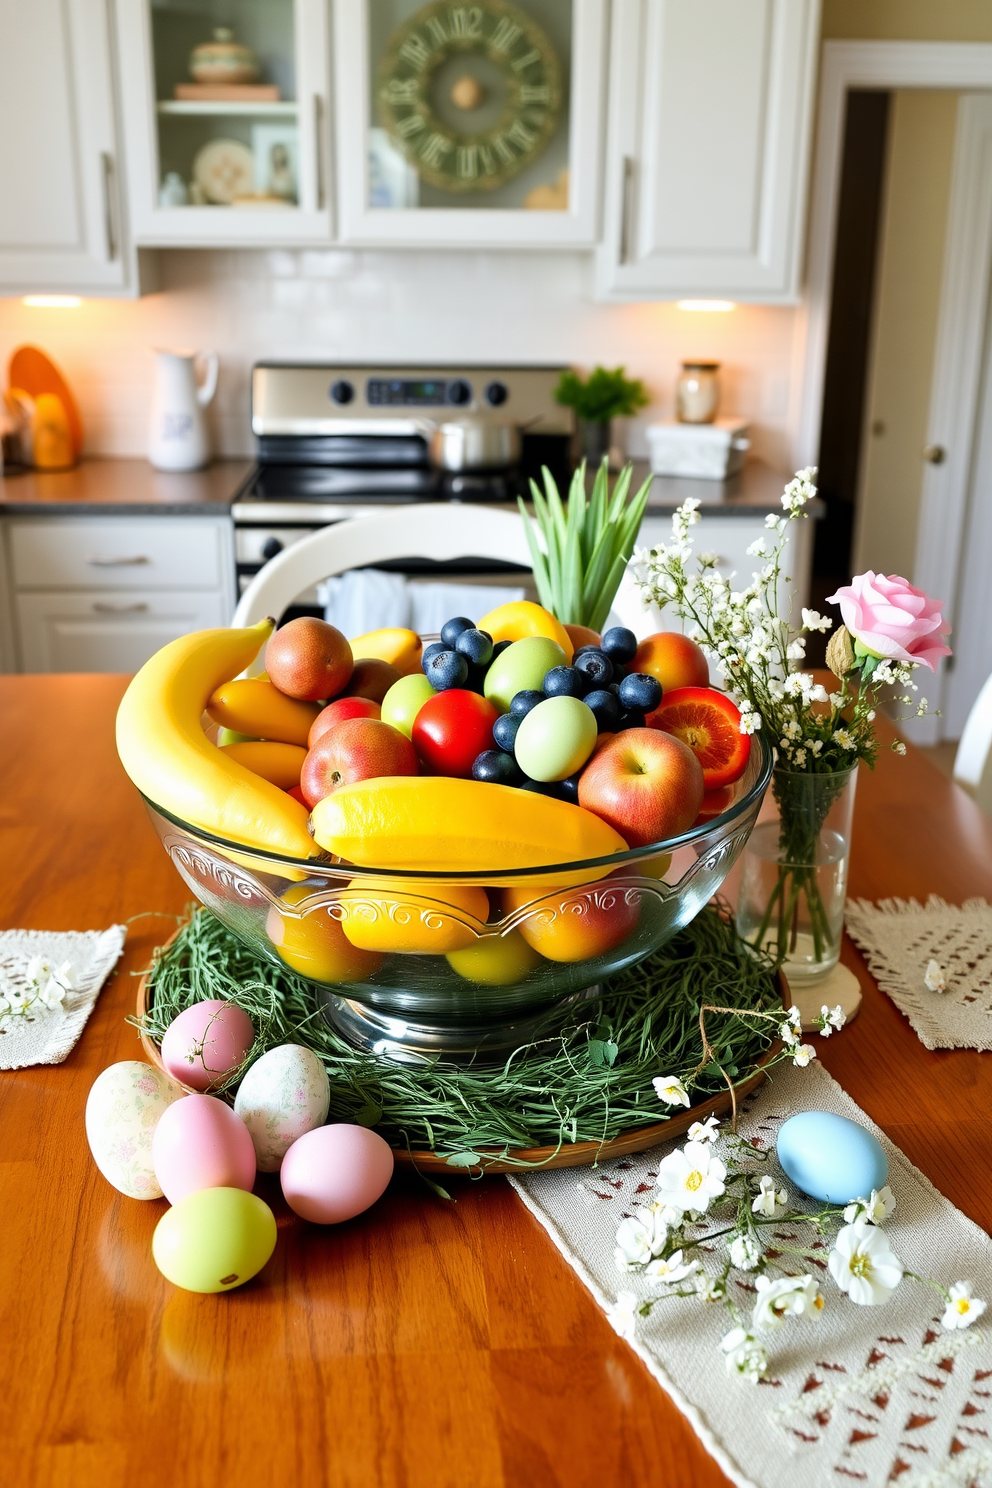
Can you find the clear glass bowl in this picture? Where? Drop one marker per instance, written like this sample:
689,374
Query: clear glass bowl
439,963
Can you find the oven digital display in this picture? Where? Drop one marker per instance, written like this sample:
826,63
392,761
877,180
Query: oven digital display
397,391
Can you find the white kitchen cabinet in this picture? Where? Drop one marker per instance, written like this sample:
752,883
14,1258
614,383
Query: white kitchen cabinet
62,221
268,181
102,594
710,115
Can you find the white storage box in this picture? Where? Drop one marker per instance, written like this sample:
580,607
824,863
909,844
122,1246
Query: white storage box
704,451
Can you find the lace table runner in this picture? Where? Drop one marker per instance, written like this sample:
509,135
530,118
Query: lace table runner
912,949
47,1036
857,1395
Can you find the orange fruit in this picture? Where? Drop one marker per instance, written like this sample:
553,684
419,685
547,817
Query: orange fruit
575,924
407,917
316,945
495,960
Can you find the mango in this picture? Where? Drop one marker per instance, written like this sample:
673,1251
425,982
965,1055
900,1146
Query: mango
511,622
279,763
401,648
408,917
255,706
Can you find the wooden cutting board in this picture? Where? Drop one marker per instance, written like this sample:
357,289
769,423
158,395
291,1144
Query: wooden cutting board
33,371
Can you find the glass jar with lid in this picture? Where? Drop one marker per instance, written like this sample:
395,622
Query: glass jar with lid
697,392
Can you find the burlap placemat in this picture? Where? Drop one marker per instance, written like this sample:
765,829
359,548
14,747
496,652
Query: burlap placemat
44,1035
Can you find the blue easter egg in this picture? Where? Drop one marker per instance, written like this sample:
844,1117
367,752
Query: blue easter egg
831,1158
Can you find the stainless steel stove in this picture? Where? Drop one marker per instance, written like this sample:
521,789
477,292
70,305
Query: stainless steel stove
336,441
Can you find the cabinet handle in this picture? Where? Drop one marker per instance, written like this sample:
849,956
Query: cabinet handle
935,454
121,562
625,201
318,152
107,172
119,609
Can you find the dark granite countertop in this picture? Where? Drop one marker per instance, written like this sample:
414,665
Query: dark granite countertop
757,488
105,487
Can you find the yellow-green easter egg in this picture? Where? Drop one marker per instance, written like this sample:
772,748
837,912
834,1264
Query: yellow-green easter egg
214,1240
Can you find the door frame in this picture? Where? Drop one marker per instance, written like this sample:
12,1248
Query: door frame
958,358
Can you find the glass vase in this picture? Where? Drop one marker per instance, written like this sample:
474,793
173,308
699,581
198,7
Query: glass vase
794,871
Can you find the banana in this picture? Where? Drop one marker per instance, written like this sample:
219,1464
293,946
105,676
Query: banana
164,750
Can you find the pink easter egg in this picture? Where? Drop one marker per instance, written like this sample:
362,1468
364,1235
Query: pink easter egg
202,1145
334,1172
206,1042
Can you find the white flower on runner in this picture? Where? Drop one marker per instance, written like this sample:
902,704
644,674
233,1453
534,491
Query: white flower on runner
962,1308
934,979
622,1316
670,1089
875,1210
769,1201
704,1131
639,1238
803,1054
710,1288
691,1177
863,1264
744,1355
675,1269
790,1296
745,1251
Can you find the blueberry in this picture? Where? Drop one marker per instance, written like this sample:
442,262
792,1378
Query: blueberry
640,691
522,703
552,788
446,669
606,709
476,646
452,629
496,767
505,731
595,665
630,719
569,788
565,681
618,643
476,679
500,647
434,649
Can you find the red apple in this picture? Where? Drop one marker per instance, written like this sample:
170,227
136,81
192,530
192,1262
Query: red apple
452,729
338,711
307,658
358,749
673,658
646,784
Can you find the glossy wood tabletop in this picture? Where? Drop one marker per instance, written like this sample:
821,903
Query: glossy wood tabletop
424,1344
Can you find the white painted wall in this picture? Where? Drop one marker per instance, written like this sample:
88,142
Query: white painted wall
393,306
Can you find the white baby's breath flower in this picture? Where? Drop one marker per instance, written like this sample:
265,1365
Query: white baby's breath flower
796,650
875,1209
691,1177
799,757
789,1296
750,722
745,1251
813,620
771,521
744,1355
639,1238
933,978
710,1288
836,1017
802,1055
622,1316
962,1308
769,1202
898,747
863,1264
670,1089
671,1271
704,1131
757,549
842,737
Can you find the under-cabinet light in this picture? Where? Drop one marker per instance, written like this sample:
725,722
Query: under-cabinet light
706,305
52,302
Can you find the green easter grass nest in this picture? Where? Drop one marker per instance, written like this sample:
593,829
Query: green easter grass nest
589,1082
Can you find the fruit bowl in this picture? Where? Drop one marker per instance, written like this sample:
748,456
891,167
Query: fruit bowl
432,964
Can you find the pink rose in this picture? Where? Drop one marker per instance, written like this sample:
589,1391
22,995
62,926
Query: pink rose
893,620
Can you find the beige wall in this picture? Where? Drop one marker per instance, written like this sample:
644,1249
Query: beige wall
908,20
917,189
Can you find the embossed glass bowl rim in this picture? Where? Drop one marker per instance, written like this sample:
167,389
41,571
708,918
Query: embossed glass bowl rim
633,855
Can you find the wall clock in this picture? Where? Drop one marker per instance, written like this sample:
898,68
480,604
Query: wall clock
470,93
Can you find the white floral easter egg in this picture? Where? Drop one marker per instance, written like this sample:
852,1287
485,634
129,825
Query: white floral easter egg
122,1112
283,1095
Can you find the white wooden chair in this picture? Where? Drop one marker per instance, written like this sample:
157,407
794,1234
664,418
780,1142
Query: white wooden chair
973,761
437,530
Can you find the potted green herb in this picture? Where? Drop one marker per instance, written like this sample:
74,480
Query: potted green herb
598,399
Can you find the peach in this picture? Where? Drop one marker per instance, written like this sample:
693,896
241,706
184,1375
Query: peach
309,659
647,784
673,658
338,712
358,749
371,679
582,635
575,924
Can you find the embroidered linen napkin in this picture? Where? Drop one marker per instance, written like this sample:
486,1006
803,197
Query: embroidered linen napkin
911,949
48,1035
869,1395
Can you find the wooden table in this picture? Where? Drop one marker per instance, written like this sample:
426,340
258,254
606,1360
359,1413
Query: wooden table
422,1345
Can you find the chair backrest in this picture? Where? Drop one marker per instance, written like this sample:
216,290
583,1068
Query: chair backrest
438,530
973,761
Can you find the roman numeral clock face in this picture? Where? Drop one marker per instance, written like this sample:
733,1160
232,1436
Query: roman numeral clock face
469,93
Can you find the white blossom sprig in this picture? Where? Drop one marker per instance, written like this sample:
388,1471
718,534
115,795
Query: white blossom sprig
40,988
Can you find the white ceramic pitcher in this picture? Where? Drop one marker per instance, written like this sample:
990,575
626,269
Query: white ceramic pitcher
178,437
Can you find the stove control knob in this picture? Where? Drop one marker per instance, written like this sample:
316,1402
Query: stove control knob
497,394
271,548
459,392
342,391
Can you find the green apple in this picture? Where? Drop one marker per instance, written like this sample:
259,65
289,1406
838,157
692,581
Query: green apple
404,701
555,739
521,668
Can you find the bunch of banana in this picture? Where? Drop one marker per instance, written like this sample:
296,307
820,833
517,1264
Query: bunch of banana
164,750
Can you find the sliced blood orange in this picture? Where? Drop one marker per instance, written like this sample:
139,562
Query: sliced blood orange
709,723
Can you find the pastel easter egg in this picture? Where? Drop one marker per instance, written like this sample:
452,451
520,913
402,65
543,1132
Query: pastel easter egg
123,1109
200,1143
335,1172
831,1158
205,1043
283,1095
214,1240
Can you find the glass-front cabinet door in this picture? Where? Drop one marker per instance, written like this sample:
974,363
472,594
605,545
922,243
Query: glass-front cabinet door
225,106
461,124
